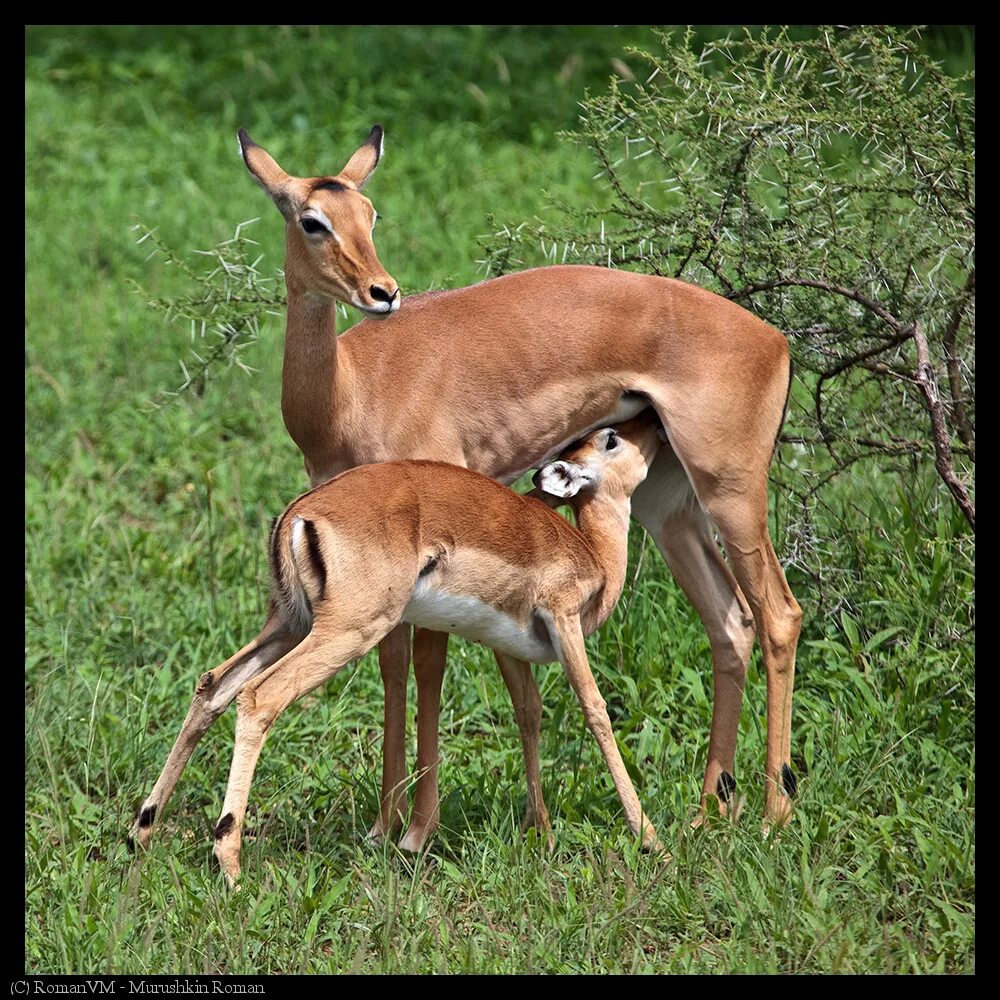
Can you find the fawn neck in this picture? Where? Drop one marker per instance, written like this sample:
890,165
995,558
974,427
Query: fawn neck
603,522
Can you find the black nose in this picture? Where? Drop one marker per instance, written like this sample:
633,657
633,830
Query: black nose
381,295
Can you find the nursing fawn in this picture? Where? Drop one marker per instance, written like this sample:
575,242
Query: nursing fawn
441,547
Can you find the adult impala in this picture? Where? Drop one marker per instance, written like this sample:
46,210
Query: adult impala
499,377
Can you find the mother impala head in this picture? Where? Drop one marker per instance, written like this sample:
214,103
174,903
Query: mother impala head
329,224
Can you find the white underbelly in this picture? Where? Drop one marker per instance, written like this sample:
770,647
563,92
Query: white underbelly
473,619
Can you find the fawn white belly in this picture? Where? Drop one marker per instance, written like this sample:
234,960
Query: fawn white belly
474,619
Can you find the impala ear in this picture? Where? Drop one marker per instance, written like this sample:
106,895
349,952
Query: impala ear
268,174
564,479
362,164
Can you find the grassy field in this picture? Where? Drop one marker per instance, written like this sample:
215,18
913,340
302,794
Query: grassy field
144,545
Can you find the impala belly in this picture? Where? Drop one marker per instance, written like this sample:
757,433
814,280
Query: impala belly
471,618
627,406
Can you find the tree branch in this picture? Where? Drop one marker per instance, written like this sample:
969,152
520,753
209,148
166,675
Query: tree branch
966,431
823,286
943,457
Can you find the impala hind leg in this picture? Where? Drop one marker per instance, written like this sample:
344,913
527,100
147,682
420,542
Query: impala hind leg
215,690
725,444
527,704
666,506
316,659
430,652
743,527
567,637
394,665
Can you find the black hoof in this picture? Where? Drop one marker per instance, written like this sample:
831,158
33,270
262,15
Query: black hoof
725,786
224,826
788,780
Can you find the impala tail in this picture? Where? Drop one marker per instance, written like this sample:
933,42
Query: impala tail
298,569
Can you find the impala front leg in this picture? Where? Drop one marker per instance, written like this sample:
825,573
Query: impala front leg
430,651
527,704
567,637
394,664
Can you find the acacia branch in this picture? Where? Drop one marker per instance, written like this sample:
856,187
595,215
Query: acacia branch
823,286
900,335
943,456
966,431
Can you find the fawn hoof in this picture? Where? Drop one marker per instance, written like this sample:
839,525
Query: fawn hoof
228,856
227,848
651,844
142,829
229,862
232,877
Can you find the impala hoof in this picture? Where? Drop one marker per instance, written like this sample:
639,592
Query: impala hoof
375,835
416,837
789,782
725,786
653,845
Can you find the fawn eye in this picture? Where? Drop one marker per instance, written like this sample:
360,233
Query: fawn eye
312,226
612,441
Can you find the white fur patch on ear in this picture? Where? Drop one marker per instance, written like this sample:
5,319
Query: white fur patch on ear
565,479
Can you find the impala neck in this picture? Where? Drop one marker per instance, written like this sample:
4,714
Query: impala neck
603,522
311,378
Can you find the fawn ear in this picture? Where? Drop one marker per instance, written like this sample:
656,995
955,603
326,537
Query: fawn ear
564,479
268,174
362,164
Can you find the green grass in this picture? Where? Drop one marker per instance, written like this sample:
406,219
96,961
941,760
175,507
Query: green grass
144,566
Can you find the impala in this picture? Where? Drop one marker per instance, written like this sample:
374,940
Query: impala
438,545
499,377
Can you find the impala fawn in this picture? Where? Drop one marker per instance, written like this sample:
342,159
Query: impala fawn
442,547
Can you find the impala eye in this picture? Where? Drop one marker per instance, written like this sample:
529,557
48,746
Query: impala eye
312,226
612,441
